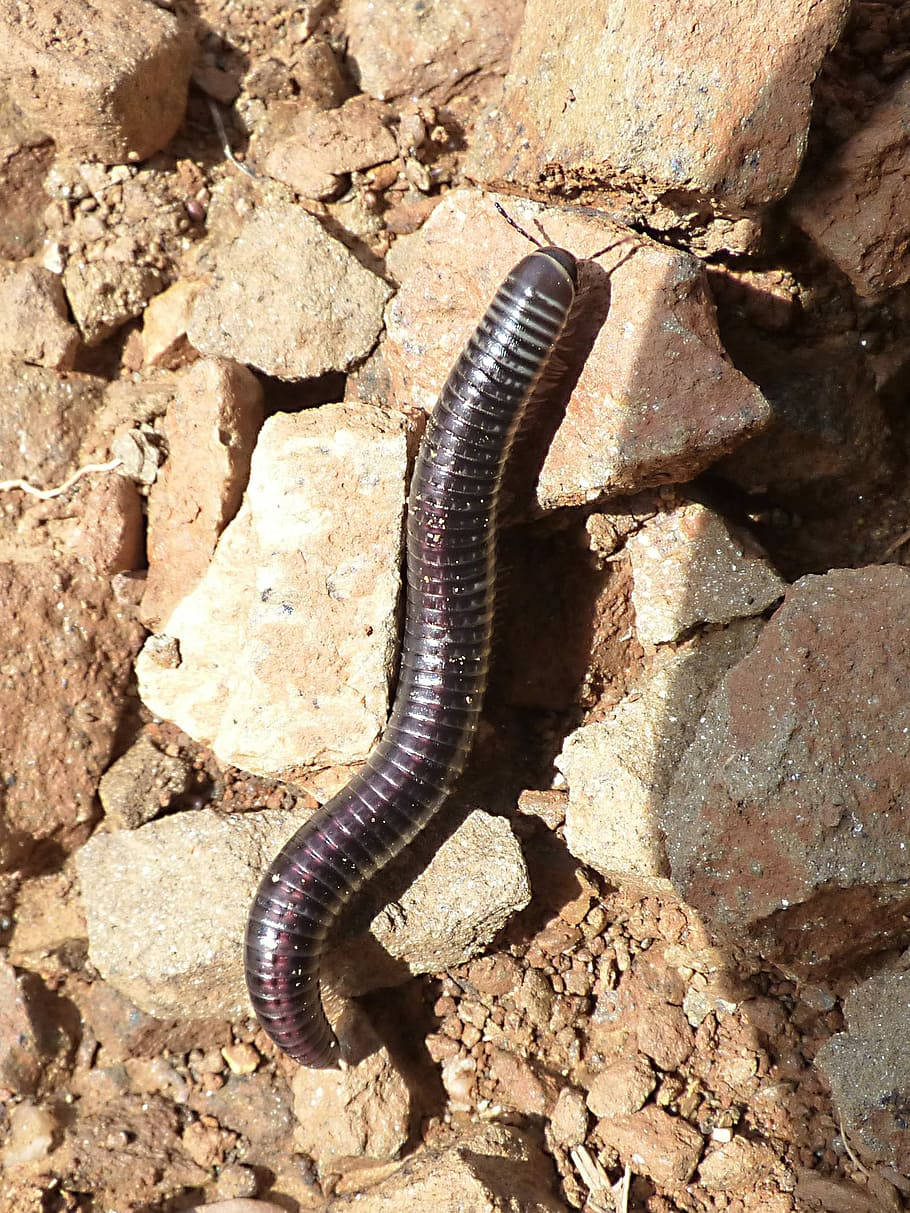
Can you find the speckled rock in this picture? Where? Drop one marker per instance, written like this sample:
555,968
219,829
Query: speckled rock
43,421
301,593
631,419
22,1050
34,324
597,101
665,1148
255,265
786,821
857,211
142,782
104,295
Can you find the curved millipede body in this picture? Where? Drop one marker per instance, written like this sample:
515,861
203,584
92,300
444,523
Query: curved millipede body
451,536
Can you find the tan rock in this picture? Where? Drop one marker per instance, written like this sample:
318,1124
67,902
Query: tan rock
104,295
211,429
621,1088
652,1142
596,101
106,79
164,324
141,783
44,418
656,399
34,325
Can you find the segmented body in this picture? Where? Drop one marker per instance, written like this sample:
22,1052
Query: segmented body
445,653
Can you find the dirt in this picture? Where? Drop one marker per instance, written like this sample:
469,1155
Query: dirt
604,1025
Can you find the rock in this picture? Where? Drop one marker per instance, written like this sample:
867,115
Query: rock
22,196
104,295
32,1130
188,963
738,1165
34,325
301,593
249,308
689,568
786,821
520,1086
361,1111
66,659
655,400
48,922
569,1119
621,1088
398,48
600,97
105,79
123,1031
619,770
867,1067
238,1205
43,421
856,209
490,1167
109,530
322,147
211,429
235,1183
654,1019
665,1148
464,896
140,784
164,324
22,1052
182,956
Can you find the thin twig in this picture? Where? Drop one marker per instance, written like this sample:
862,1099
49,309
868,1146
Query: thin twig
847,1147
225,145
46,494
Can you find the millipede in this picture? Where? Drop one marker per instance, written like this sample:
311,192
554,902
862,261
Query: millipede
444,664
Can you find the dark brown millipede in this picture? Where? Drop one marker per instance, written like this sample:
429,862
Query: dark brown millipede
445,654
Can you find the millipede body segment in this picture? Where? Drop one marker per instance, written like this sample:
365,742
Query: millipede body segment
445,654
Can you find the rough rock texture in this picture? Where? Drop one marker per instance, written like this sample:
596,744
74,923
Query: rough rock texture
190,965
322,147
22,1054
109,530
66,650
104,295
631,420
43,421
281,655
34,326
164,322
867,1067
858,212
787,817
260,262
361,1111
689,568
619,770
661,1146
491,1167
106,79
210,429
140,784
406,48
595,97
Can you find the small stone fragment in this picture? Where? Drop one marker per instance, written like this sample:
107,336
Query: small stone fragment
32,1130
164,325
621,1088
246,309
142,783
104,295
236,1182
301,592
34,325
737,1166
403,49
689,569
211,429
665,1148
22,1054
623,81
630,421
857,210
569,1119
241,1058
109,530
44,419
361,1111
106,80
867,1065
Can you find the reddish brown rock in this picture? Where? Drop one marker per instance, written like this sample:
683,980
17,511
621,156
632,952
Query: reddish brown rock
34,325
596,102
867,1067
66,662
787,818
400,48
322,147
24,162
22,1054
621,1088
106,79
211,429
656,399
857,211
109,531
43,421
164,322
141,783
105,294
652,1142
249,308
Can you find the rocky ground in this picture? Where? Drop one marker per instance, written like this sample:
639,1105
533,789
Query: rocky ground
654,956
